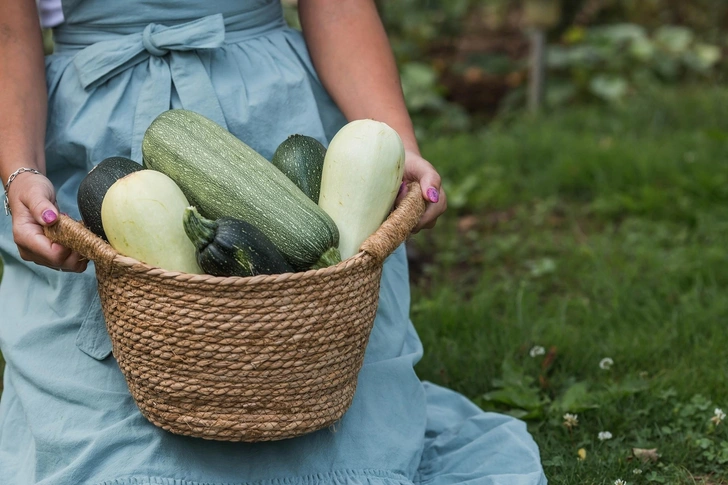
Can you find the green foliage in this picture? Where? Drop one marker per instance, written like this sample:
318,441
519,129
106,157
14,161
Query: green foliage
631,48
424,97
415,25
412,31
709,18
598,232
628,47
608,63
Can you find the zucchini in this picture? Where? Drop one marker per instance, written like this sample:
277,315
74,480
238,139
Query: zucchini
94,186
301,159
142,216
232,247
224,177
362,173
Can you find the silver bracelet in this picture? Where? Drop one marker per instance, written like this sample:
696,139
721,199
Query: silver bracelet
10,180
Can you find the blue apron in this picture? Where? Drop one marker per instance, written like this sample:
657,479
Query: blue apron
66,416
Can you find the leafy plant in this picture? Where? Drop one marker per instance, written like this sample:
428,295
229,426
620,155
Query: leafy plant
426,102
527,395
609,62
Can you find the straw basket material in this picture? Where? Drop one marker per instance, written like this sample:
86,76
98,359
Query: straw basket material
261,358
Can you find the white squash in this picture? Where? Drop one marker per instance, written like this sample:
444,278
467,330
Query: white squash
142,218
361,176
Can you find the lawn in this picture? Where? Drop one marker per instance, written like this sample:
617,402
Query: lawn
581,269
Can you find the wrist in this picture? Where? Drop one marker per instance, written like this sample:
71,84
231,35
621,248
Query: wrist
20,172
407,135
14,156
409,141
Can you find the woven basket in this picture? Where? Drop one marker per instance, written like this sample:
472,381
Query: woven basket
261,358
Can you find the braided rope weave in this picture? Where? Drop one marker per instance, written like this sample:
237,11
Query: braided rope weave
260,358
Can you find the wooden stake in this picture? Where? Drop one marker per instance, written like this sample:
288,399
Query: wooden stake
537,74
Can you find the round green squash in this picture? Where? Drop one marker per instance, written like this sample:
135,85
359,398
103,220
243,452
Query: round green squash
301,159
94,186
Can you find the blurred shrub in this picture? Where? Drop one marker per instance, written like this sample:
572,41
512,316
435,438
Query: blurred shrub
424,95
414,26
418,29
601,50
465,60
707,18
609,62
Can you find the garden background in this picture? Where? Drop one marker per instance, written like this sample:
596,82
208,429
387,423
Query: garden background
578,280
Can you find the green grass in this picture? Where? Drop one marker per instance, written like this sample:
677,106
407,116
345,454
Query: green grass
594,233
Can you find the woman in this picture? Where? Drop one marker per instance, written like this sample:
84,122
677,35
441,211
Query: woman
66,416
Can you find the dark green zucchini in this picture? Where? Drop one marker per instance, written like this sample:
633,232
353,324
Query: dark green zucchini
301,159
232,247
94,186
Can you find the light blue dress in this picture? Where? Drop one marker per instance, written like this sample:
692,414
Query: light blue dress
66,416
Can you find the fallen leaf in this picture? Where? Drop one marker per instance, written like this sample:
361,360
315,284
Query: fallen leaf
582,454
473,75
515,79
543,382
646,455
467,223
549,359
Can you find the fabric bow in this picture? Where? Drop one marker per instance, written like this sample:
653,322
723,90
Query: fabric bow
183,68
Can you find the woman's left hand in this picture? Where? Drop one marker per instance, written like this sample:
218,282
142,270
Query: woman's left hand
417,169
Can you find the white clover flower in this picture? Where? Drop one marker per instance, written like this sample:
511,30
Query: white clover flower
606,363
619,481
604,435
536,351
637,471
718,416
571,420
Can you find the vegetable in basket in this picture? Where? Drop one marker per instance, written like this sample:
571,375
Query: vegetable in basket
94,186
362,174
224,177
232,247
142,217
301,159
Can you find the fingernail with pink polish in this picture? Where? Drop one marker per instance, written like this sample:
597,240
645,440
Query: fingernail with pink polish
49,216
401,188
433,195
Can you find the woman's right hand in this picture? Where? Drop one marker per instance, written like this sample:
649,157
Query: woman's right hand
32,202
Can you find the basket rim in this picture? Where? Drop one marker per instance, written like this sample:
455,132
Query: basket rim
133,265
392,232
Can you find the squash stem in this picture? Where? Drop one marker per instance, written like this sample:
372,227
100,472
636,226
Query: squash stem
331,257
200,230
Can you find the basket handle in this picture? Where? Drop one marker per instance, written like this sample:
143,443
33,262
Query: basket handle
76,237
398,225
